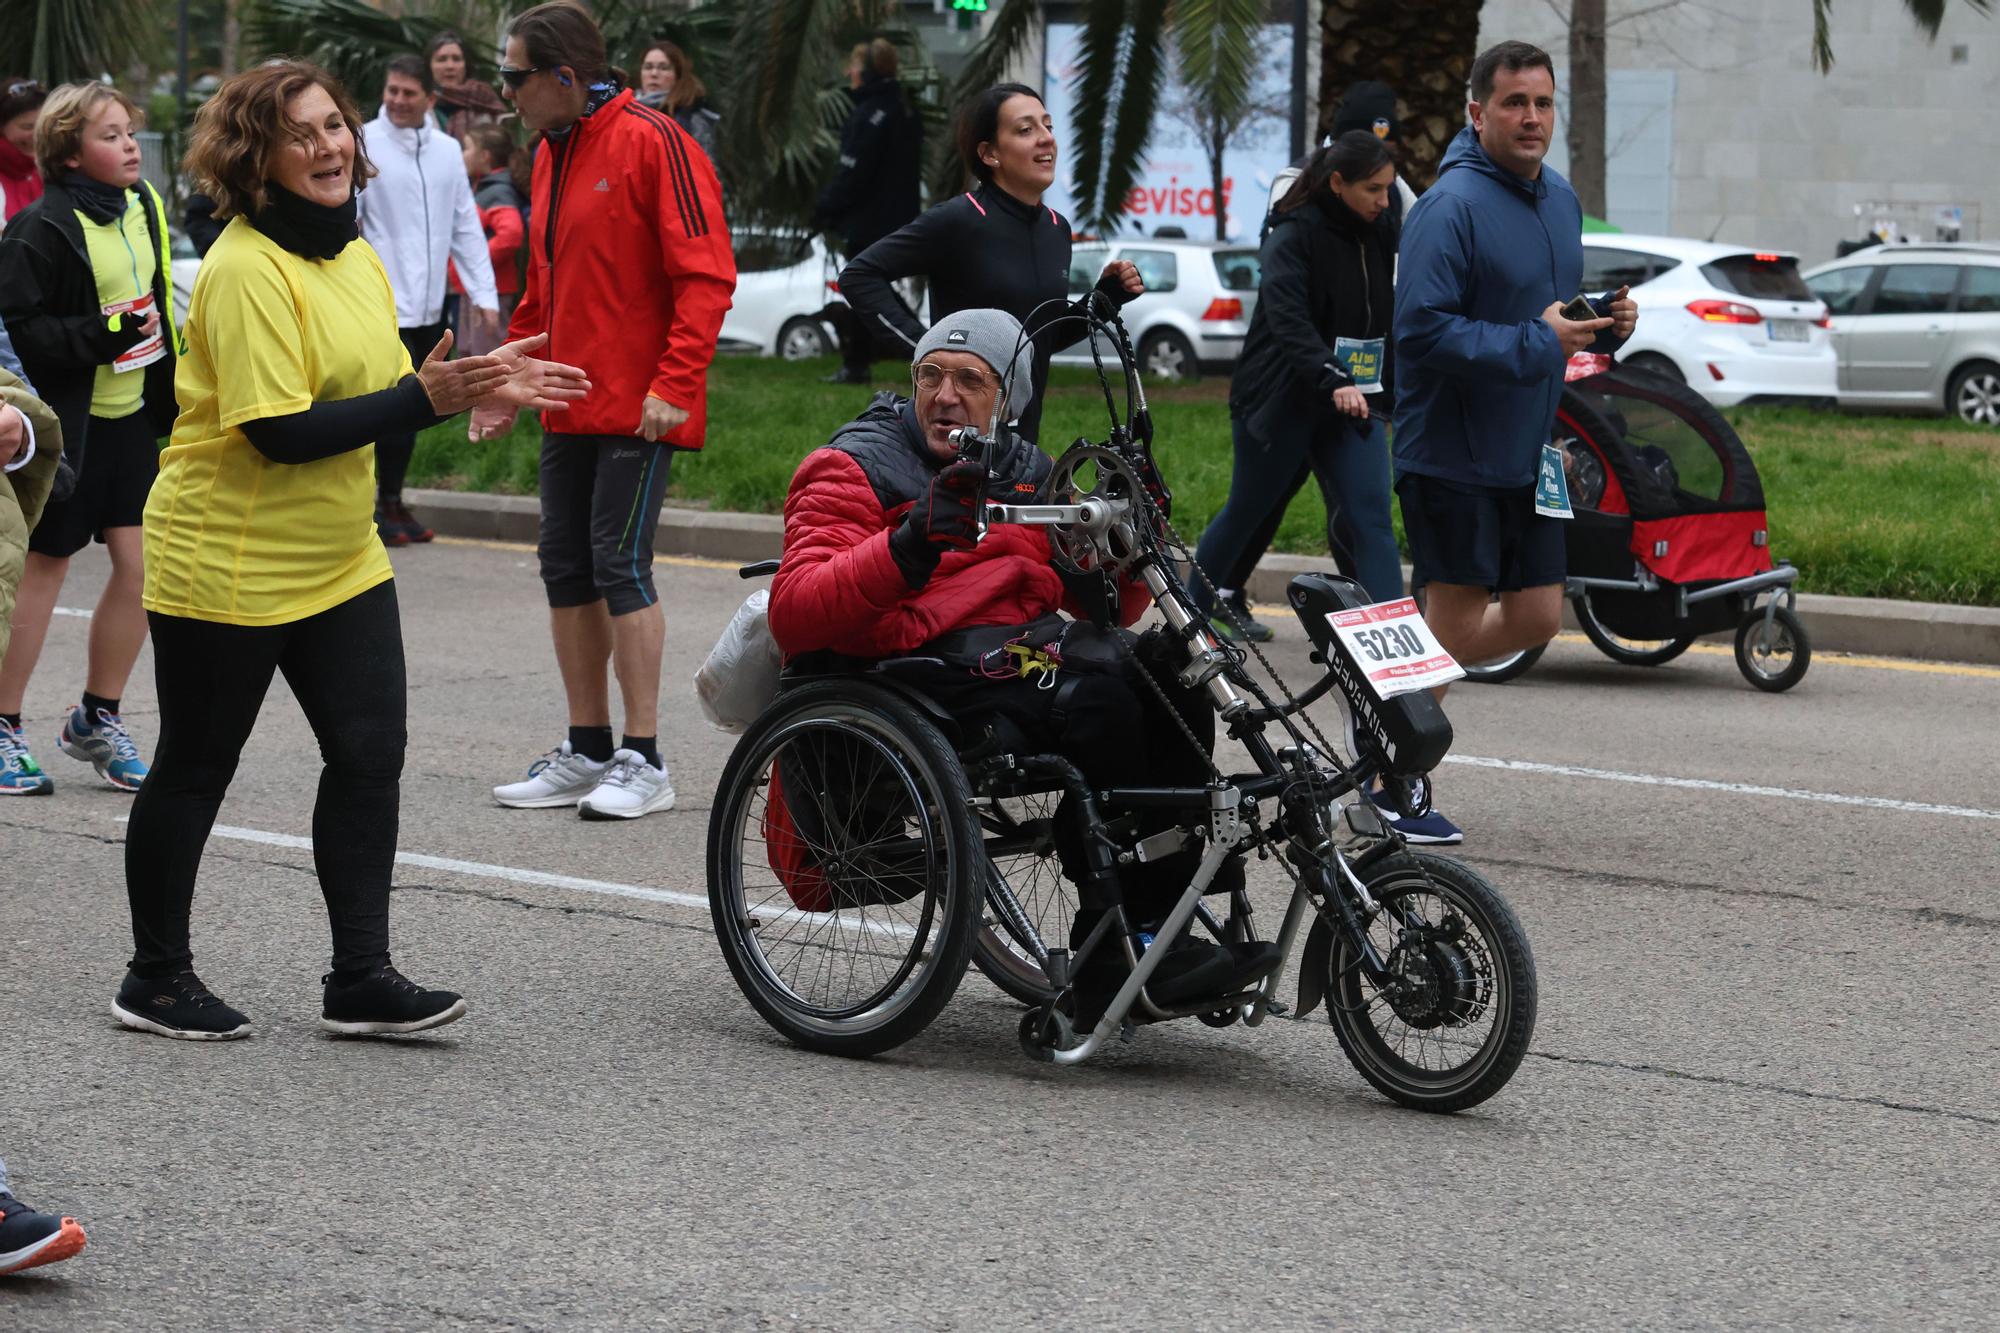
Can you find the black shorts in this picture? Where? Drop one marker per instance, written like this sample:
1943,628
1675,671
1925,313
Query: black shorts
121,456
1479,538
600,508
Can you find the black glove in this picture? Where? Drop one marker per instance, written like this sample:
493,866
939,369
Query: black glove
945,517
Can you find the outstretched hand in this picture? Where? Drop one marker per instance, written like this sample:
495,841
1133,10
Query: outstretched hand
538,385
453,386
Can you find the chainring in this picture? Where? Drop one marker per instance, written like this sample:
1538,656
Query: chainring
1092,472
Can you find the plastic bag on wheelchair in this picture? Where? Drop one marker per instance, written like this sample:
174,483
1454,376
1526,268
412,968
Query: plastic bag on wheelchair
740,678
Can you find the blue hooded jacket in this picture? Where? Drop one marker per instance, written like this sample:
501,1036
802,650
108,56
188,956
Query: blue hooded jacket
1479,372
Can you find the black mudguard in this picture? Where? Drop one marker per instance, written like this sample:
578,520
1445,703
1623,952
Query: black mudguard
1315,966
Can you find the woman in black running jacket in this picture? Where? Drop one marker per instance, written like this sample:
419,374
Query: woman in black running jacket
998,247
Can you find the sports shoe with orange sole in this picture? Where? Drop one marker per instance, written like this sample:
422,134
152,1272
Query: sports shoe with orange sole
29,1239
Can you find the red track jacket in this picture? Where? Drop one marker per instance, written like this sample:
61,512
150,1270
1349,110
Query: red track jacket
629,270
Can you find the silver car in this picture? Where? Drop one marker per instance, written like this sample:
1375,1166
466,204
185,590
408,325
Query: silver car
1917,326
1197,307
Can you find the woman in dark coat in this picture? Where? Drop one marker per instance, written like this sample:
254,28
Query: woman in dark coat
1314,381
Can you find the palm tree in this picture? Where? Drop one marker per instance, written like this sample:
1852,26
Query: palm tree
57,41
1926,14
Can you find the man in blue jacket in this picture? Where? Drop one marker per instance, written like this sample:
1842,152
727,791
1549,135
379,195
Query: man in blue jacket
1491,254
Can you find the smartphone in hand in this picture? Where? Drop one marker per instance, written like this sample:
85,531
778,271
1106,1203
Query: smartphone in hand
1579,309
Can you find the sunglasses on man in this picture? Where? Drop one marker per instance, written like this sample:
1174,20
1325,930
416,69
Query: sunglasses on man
513,77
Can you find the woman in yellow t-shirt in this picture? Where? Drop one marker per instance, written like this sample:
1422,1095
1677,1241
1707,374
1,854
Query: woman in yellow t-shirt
261,549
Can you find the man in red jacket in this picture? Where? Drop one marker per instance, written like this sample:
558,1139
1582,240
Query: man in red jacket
882,559
630,269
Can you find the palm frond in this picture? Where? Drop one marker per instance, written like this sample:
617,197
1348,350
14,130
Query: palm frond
350,39
1217,42
1139,97
67,40
1100,53
1926,14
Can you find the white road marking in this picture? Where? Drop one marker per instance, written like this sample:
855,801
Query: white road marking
516,875
78,612
1733,788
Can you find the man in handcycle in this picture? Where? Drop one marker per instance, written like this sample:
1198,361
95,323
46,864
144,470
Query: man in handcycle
884,563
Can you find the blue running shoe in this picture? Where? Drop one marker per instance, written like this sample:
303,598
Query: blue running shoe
20,775
107,747
1429,828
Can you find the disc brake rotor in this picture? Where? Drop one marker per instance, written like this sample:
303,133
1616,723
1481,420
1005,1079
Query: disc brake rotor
1437,984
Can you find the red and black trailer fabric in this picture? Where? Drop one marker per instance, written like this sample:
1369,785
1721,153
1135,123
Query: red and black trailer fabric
1657,475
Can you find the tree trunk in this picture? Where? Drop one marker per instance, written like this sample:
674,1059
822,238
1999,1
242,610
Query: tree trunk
1586,103
1422,48
232,36
1218,134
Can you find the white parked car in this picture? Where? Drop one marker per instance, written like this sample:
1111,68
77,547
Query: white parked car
1197,306
782,283
1738,325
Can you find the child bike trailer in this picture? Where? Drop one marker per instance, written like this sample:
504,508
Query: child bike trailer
1670,542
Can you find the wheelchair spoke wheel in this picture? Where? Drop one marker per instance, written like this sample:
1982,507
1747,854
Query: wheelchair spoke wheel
845,868
1020,845
1451,1021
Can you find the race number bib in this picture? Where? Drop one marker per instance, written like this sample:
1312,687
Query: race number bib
1396,651
1362,359
1551,486
147,351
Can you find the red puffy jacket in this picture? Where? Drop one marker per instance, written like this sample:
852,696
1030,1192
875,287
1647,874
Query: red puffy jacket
839,588
629,268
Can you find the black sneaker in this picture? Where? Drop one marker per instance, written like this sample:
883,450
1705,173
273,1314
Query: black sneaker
386,1002
177,1006
848,375
29,1239
1237,605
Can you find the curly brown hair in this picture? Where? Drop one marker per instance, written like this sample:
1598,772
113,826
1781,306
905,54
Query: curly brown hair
239,132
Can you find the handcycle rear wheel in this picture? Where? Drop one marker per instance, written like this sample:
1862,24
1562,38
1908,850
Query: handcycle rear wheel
1454,1021
874,831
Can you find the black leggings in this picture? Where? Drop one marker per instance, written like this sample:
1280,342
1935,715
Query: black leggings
345,666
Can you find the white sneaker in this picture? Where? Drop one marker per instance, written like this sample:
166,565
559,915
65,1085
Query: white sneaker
560,777
630,787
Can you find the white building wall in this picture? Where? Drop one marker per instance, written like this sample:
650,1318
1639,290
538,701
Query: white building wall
1761,149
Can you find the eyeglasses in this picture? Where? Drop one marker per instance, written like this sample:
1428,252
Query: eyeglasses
514,78
966,379
25,86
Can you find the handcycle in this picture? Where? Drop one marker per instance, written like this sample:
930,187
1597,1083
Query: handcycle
864,849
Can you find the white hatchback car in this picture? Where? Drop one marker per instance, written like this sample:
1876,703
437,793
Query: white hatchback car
1737,325
1196,310
782,283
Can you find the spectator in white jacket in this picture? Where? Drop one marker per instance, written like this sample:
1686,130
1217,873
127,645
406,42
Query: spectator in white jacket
418,214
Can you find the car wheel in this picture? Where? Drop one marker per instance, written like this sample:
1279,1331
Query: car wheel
802,339
1655,364
1166,355
1974,395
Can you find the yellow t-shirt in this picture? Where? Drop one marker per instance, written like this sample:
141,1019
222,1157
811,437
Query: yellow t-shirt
121,258
230,535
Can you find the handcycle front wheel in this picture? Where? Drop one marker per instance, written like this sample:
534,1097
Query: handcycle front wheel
845,869
1451,1022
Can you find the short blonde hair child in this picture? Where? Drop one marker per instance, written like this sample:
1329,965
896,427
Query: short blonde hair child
59,133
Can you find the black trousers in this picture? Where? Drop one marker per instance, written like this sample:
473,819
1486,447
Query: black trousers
1113,728
392,452
345,665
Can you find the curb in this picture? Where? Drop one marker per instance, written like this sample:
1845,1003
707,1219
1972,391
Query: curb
1872,626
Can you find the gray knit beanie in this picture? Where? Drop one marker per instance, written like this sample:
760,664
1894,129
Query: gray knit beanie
994,336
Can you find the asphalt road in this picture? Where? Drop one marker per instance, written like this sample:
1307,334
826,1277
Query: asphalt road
1762,1091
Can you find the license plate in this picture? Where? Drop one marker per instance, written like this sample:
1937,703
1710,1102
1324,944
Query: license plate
1790,330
